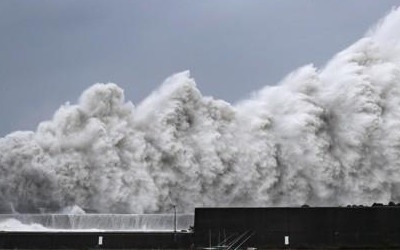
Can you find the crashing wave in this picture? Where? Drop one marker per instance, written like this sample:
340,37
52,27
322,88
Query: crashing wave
327,136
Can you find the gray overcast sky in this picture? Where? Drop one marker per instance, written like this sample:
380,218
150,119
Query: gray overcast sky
51,50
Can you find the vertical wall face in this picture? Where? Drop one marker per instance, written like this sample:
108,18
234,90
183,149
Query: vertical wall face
95,240
298,227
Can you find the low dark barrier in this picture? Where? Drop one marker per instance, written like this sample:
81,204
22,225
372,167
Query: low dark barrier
298,228
241,228
100,240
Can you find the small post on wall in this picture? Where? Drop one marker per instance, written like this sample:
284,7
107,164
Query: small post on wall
174,218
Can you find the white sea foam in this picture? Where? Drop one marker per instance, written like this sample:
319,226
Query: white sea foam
16,225
95,222
328,136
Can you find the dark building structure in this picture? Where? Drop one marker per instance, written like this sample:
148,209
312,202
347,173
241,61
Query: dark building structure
356,227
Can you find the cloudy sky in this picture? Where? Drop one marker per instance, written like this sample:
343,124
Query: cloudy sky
51,50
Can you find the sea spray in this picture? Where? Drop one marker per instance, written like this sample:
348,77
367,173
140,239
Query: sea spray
95,222
328,136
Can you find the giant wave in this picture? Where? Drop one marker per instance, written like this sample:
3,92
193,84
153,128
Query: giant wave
328,136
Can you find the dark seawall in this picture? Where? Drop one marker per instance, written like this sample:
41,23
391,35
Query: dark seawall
240,228
95,240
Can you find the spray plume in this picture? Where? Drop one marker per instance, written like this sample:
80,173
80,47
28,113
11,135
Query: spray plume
327,136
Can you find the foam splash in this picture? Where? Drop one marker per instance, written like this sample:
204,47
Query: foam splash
327,136
16,225
95,222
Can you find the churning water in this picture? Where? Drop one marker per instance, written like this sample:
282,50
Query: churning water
95,222
328,136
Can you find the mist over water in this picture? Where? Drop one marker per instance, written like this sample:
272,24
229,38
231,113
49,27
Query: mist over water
95,222
328,136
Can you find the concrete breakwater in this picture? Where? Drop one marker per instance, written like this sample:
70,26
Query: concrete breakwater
98,240
353,227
